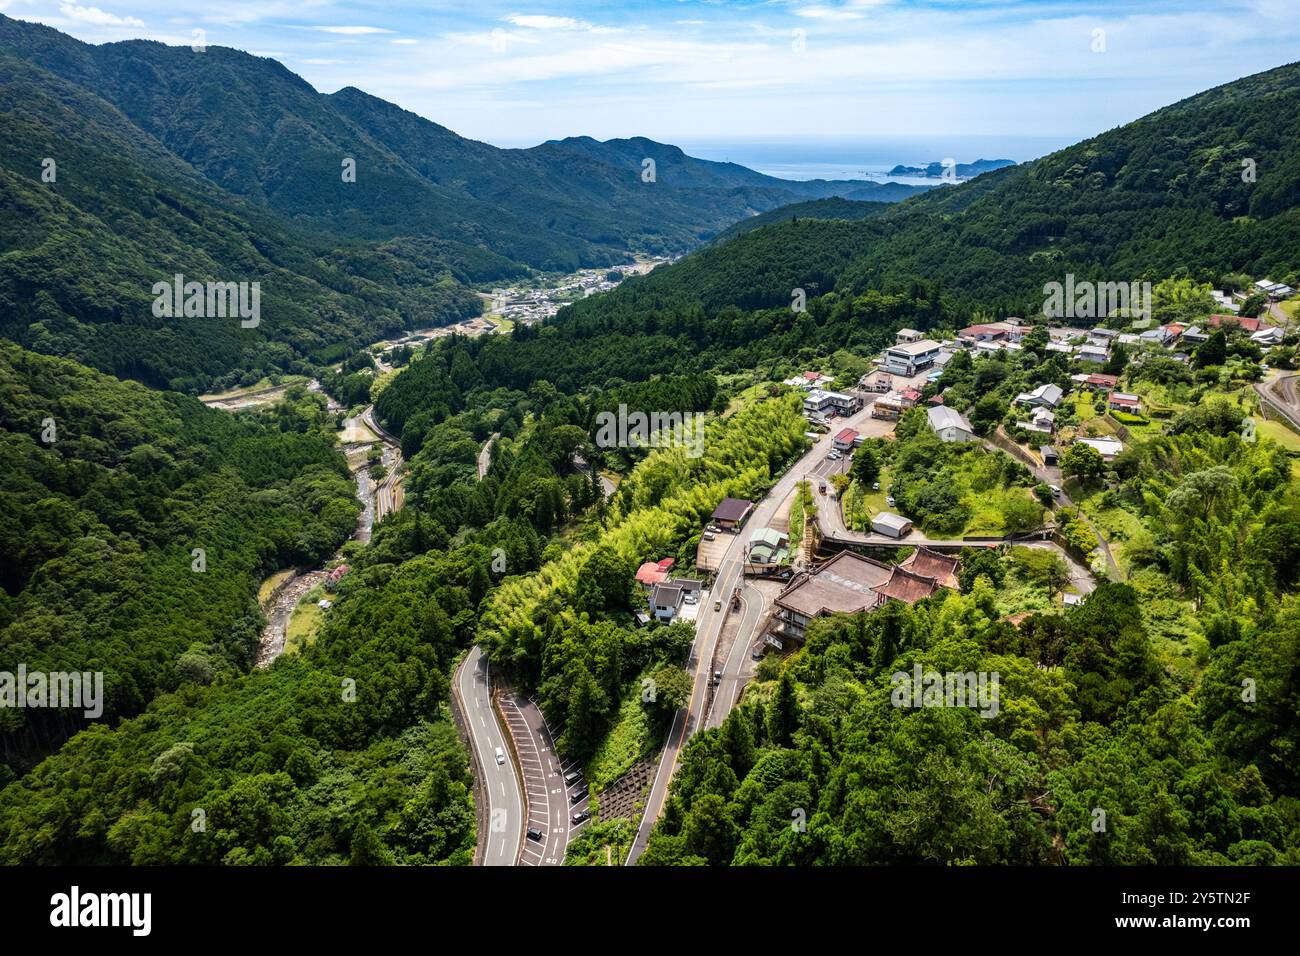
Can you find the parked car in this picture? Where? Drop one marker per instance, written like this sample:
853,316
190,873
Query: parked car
875,486
579,795
501,756
712,527
535,834
691,598
757,655
1056,491
580,815
889,500
708,536
834,456
572,777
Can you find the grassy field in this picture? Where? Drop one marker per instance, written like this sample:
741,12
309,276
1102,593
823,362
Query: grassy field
630,740
285,382
1278,433
306,621
268,586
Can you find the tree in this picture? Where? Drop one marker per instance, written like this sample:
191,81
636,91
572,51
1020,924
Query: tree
1083,462
1213,351
783,718
1021,514
865,467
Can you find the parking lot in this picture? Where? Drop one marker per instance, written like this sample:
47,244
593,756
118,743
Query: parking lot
549,797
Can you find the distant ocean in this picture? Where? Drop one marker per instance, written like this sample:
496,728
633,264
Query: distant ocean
866,158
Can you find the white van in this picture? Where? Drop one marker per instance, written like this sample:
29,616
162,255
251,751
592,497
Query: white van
501,756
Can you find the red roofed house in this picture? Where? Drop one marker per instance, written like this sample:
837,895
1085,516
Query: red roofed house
666,563
912,395
333,577
1245,322
935,400
650,574
907,587
1103,382
1125,402
845,439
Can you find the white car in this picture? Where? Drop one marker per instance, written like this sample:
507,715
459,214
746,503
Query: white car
501,756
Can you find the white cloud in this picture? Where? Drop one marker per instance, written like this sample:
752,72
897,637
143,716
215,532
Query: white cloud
541,22
93,16
404,41
351,31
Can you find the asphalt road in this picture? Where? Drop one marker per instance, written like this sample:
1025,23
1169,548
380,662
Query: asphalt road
500,783
709,626
550,804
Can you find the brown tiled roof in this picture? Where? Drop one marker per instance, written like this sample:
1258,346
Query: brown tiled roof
907,587
843,585
932,564
732,509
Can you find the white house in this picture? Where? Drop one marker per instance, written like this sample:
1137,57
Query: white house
949,424
1108,447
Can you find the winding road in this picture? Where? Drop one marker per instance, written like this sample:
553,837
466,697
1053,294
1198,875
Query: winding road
499,782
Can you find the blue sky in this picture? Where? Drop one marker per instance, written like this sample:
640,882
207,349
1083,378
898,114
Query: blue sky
696,70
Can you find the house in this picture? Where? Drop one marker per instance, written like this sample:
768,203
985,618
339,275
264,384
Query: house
732,512
1108,447
843,585
336,573
666,598
849,583
1125,402
1072,600
910,395
942,568
650,574
665,601
767,546
1065,334
1101,383
846,439
1193,335
908,358
1007,331
1062,347
907,336
888,523
876,382
949,424
1092,353
1042,421
1045,396
1102,336
891,406
1274,290
1157,336
809,380
1049,455
992,348
1224,301
820,402
934,400
1247,323
1268,336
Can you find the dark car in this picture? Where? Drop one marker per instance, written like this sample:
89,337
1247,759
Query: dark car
572,777
581,815
579,795
535,834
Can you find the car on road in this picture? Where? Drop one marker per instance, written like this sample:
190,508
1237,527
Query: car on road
875,486
717,678
717,605
889,500
1056,491
572,777
501,756
535,834
579,795
580,815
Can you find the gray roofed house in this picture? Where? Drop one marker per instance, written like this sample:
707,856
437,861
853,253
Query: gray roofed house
949,424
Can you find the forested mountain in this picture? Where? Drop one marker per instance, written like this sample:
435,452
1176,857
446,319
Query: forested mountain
109,489
224,166
1169,193
832,208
